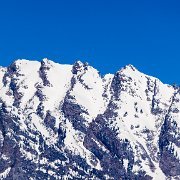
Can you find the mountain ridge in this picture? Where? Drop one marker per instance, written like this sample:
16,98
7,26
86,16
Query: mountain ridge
119,126
81,62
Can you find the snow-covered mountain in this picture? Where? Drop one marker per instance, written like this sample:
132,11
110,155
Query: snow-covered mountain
67,122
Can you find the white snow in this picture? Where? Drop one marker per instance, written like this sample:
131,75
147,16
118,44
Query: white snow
90,98
125,162
5,173
37,121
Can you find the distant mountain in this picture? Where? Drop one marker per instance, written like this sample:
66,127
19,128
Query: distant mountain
67,122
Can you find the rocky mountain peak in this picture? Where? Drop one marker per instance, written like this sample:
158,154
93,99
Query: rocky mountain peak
67,122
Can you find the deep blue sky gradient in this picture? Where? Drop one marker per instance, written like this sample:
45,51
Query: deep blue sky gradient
107,33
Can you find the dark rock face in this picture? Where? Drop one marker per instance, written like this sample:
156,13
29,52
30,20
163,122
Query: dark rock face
79,66
74,112
116,85
168,160
43,73
169,139
123,127
112,159
50,121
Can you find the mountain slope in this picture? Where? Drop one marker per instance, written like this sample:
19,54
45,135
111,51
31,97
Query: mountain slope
67,122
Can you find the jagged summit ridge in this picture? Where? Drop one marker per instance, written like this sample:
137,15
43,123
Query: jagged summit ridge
67,121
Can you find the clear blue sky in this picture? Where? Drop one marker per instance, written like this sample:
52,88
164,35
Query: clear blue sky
107,33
